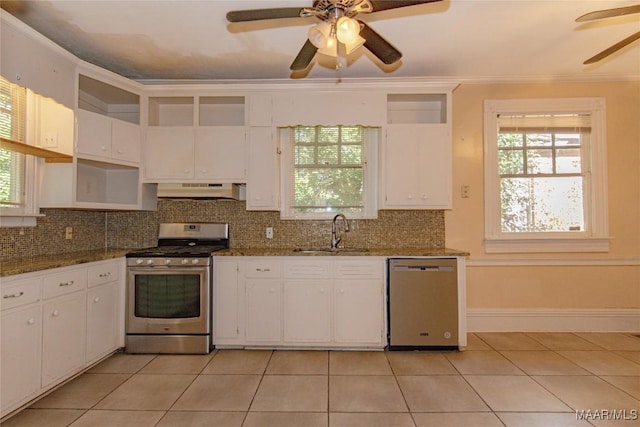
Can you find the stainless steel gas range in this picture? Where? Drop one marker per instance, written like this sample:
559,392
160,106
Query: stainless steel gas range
169,290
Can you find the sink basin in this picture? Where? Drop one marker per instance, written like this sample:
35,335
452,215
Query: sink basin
330,250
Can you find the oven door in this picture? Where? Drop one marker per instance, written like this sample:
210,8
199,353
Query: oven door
168,300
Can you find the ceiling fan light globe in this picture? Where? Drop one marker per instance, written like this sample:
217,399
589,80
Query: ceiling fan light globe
320,34
331,48
347,30
351,47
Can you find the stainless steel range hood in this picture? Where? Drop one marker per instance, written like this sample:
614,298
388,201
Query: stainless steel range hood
198,191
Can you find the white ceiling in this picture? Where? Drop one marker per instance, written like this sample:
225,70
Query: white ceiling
452,39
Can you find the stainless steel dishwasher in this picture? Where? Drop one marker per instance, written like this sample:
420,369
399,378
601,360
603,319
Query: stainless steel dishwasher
422,303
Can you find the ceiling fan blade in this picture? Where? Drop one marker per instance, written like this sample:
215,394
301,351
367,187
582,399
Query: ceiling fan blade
304,57
608,13
377,45
260,14
387,4
614,48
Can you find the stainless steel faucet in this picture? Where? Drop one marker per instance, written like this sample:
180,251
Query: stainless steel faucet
335,231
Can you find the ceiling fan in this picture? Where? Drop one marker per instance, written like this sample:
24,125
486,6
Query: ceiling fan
338,33
609,13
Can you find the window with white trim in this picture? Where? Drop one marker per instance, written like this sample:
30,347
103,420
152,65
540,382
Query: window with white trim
545,175
329,170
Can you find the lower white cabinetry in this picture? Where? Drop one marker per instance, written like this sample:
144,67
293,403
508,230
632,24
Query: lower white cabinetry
293,302
56,323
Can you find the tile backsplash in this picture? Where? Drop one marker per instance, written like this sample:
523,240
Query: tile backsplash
98,230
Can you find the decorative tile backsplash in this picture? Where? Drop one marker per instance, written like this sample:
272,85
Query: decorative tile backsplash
98,230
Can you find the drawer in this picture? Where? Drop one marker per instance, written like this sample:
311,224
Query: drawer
64,283
265,269
103,273
21,292
307,270
365,269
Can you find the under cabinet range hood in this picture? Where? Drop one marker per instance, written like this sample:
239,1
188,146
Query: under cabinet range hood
198,191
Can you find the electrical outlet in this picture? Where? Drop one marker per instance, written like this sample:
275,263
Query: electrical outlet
269,232
465,191
68,233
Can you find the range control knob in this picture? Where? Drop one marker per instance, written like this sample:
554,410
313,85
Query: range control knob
195,261
184,261
150,262
139,261
167,261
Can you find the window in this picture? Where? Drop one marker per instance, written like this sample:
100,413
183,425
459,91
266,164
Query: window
545,175
16,169
329,169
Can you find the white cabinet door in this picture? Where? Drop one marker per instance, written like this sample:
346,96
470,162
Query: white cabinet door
418,168
63,341
264,311
125,141
307,311
262,170
358,312
94,134
103,313
228,303
221,154
169,153
20,355
260,109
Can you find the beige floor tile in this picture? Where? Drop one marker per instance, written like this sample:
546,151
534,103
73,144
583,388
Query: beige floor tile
291,362
202,419
634,356
177,364
292,393
602,362
535,362
286,419
100,418
587,392
419,363
365,393
358,363
342,419
43,418
453,419
219,393
440,393
147,392
611,341
510,341
122,364
513,393
535,419
231,362
83,392
563,341
482,362
630,384
475,343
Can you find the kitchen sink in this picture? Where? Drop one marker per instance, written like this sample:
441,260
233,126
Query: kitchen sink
330,250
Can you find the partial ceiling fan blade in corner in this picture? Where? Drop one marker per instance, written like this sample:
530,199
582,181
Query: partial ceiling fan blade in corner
379,5
377,45
304,57
609,13
614,48
260,14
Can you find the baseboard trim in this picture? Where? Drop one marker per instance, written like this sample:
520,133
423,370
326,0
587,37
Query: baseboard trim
553,320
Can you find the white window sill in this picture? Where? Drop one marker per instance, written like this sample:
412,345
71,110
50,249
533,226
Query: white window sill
546,245
18,220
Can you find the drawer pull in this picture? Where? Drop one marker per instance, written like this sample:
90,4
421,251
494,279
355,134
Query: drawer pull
263,269
107,274
31,321
55,313
96,299
69,283
16,295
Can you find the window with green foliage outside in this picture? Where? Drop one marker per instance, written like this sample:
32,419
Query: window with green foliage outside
12,126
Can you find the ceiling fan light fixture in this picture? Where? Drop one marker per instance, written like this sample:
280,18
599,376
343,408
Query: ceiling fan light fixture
330,48
320,34
355,45
347,30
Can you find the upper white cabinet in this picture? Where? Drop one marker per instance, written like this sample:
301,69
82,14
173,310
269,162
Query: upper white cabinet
262,170
55,125
416,162
108,122
196,138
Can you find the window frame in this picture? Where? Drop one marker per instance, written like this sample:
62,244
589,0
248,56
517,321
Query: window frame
370,166
595,236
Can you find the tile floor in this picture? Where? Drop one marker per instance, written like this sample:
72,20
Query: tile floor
503,379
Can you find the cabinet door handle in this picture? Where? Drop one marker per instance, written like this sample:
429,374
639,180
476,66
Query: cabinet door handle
55,313
31,321
96,299
424,197
322,291
16,295
107,274
263,269
69,283
103,148
120,151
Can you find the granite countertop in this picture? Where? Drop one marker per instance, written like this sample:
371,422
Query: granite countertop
23,265
383,252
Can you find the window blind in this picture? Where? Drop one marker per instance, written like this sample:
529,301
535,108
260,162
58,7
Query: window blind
12,126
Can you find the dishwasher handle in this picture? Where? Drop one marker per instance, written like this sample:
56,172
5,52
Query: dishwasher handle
438,268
